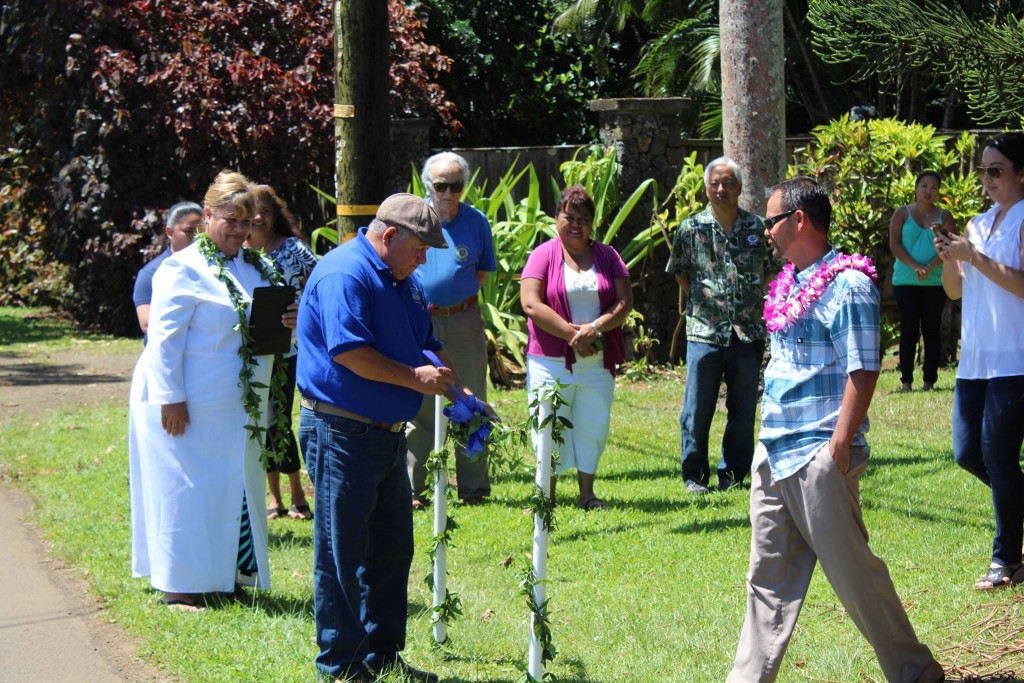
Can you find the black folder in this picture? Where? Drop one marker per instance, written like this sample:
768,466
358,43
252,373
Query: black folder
269,336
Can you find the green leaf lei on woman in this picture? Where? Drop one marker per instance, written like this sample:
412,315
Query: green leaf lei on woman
250,400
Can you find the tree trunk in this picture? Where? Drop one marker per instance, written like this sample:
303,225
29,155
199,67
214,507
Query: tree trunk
361,110
753,94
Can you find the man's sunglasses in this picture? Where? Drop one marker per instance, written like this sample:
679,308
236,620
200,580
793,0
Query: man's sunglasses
443,187
991,171
770,223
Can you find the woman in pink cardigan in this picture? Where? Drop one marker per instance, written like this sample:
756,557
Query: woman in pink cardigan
576,294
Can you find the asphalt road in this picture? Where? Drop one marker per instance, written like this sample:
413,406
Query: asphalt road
51,628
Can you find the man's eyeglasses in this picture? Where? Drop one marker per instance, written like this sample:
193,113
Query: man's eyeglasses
728,184
770,223
444,187
991,171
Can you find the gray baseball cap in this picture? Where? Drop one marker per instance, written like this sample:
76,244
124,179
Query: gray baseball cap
412,213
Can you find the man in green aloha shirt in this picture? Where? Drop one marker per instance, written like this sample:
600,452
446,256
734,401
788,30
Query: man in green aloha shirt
721,261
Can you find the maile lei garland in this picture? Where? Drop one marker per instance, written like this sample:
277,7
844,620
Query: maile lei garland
250,401
781,311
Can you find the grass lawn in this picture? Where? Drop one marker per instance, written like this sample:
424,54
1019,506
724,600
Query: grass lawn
651,590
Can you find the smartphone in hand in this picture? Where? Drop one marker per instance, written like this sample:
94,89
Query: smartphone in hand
938,230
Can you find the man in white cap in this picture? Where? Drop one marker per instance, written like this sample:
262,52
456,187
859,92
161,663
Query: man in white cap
363,326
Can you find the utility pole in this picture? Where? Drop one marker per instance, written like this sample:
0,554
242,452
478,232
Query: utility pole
361,110
753,94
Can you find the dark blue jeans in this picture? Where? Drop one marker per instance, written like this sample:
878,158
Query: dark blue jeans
988,430
739,364
920,316
362,541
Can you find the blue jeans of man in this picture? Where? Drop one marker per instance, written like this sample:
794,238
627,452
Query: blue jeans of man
739,364
362,541
988,431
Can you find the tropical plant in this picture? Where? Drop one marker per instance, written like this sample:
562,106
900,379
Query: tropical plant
521,84
599,175
871,167
933,49
686,198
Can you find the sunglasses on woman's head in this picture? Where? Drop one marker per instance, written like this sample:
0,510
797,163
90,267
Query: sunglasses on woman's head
991,171
443,187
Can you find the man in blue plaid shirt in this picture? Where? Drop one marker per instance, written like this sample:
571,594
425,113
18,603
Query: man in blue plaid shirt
804,497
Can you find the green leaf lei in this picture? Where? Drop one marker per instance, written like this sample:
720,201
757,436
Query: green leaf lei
250,401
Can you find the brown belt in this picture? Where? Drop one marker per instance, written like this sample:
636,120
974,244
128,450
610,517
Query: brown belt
444,311
328,409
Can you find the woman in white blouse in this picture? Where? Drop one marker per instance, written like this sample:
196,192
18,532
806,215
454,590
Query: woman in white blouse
576,293
985,266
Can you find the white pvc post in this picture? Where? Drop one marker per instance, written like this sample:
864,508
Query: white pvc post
540,539
440,523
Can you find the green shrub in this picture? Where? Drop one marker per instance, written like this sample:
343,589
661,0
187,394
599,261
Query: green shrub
30,277
871,167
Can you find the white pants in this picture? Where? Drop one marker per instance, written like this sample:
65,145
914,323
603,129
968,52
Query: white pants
589,392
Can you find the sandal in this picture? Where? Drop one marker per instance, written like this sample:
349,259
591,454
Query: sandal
595,503
1000,576
276,513
300,512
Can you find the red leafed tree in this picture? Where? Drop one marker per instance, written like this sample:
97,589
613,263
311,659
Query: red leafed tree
415,68
123,107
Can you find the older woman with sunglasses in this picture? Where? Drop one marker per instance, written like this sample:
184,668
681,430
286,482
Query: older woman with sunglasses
451,279
985,267
576,293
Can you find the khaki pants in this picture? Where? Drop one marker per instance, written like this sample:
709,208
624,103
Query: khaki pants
465,343
814,516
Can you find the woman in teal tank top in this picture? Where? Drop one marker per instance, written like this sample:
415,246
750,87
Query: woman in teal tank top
917,277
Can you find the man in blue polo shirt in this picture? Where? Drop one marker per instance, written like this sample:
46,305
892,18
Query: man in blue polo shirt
363,326
823,317
451,279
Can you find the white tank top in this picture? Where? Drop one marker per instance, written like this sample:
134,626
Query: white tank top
581,291
992,319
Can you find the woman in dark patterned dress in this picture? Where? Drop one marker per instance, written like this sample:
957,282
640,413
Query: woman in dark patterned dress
275,230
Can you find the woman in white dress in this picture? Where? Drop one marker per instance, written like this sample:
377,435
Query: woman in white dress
195,471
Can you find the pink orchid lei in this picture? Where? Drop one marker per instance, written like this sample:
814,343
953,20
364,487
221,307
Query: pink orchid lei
780,311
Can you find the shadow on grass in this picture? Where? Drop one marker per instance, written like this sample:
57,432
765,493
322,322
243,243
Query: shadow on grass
276,604
40,374
646,474
713,526
883,460
577,672
32,328
954,516
286,539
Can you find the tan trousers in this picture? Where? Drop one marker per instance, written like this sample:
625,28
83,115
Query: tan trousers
814,516
465,343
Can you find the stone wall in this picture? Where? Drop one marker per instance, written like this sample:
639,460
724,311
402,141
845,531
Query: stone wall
410,147
648,137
